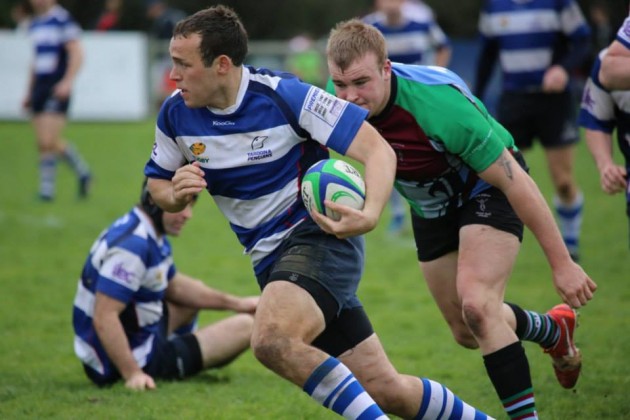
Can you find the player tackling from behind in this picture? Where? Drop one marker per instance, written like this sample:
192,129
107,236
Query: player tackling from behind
251,133
468,190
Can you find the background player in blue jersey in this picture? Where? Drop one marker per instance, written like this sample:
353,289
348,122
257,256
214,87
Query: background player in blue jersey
602,112
250,134
57,60
539,44
135,314
470,195
413,37
615,69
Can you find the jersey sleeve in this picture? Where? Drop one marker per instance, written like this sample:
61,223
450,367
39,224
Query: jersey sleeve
120,274
623,34
597,108
329,120
166,155
437,35
468,131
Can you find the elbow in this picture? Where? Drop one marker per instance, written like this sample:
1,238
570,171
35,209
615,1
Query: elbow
604,77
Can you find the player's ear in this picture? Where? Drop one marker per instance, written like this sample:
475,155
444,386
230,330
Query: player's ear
224,63
387,69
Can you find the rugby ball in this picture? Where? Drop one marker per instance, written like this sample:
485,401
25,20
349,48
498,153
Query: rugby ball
333,180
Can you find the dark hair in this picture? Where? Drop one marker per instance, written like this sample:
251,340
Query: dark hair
222,33
150,208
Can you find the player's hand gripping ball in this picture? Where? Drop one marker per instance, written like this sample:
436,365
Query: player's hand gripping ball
333,180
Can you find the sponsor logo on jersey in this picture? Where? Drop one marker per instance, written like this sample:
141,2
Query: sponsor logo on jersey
120,273
256,154
197,149
259,142
222,123
324,106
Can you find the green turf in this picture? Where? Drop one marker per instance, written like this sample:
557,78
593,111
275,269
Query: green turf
43,246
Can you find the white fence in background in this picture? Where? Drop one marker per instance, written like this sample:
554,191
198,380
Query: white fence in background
112,84
120,77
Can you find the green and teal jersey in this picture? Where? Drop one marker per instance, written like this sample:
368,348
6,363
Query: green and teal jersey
442,135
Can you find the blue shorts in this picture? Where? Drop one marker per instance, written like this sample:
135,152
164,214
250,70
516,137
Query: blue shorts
330,270
43,100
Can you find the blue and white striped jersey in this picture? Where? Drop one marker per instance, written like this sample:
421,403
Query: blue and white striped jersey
532,35
50,33
603,110
130,263
415,40
255,153
623,34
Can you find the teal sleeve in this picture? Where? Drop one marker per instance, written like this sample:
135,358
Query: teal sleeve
465,128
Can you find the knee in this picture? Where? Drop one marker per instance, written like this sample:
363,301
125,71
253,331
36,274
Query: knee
269,347
244,324
464,338
461,332
388,393
565,190
475,319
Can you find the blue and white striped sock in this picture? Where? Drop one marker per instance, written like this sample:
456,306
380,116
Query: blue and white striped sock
570,220
74,159
47,175
335,387
439,402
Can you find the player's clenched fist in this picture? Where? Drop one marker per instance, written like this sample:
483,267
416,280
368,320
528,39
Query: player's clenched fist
188,182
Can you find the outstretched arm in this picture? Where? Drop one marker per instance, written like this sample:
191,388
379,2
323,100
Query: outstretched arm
571,282
187,291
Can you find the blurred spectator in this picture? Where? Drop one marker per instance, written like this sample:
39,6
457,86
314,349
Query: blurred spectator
603,33
110,18
21,14
305,60
411,32
163,19
413,37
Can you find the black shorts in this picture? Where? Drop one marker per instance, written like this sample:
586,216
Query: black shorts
437,237
329,269
175,358
43,100
172,359
549,117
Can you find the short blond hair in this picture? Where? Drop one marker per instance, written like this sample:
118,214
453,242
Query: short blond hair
351,40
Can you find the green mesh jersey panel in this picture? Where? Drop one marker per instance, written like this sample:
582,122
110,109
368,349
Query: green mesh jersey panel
442,135
457,121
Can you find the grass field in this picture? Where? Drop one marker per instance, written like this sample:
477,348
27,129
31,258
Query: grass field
43,245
